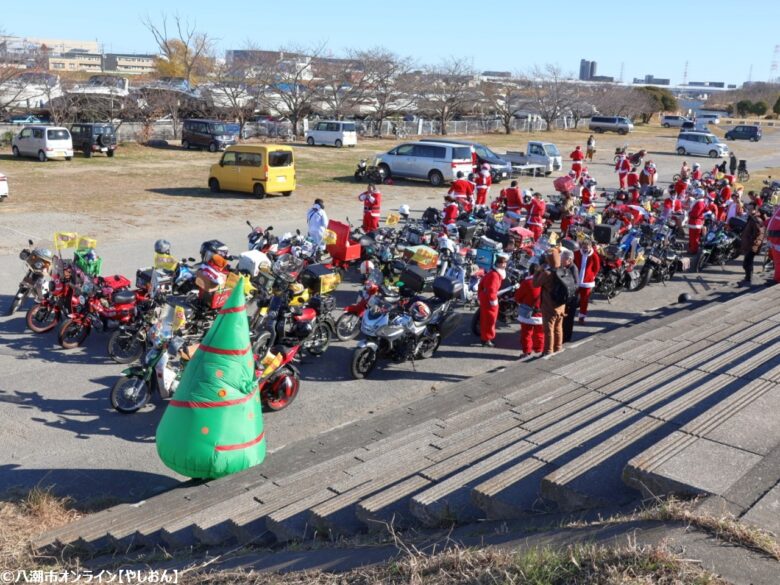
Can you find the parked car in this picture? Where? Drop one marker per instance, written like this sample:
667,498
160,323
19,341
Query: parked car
332,132
43,142
3,187
617,124
257,169
93,137
544,154
500,168
708,118
744,132
436,162
211,134
700,144
675,121
24,119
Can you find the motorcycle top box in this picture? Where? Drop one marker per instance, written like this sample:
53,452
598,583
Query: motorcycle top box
320,279
432,216
737,224
446,289
414,278
466,231
604,233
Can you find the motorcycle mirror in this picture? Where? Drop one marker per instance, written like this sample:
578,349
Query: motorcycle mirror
249,223
30,242
269,228
298,231
191,260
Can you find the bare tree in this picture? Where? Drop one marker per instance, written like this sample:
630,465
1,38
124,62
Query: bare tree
342,84
185,50
505,100
391,87
232,94
445,90
582,103
551,93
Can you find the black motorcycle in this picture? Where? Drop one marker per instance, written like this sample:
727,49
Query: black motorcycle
371,173
717,247
38,263
507,305
612,277
662,255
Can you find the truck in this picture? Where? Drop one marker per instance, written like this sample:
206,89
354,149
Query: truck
542,157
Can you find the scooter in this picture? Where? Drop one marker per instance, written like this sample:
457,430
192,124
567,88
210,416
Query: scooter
38,261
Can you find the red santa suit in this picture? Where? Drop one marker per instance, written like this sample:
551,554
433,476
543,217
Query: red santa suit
577,157
536,210
487,293
463,191
513,198
773,237
451,212
634,197
632,179
623,167
371,210
587,196
696,175
588,267
531,330
680,187
672,205
483,181
696,224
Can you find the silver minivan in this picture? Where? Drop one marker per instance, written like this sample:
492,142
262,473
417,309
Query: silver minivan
674,121
43,142
701,144
437,162
618,124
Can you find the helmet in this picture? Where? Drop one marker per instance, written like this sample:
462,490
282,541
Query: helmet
526,198
452,230
419,311
366,267
162,247
696,165
698,193
572,174
471,177
621,196
695,184
650,165
296,288
485,167
213,248
684,298
404,210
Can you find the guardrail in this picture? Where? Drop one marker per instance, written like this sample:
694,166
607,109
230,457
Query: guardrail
748,122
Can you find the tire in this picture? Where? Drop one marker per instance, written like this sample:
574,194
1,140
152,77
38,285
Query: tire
68,158
699,262
676,178
475,329
185,144
436,178
666,125
42,156
214,185
363,362
41,318
358,177
72,334
125,346
286,193
385,170
347,326
262,344
110,153
713,154
213,147
338,144
427,346
622,131
318,341
681,151
753,139
599,130
15,152
258,191
18,300
310,141
87,152
271,394
125,403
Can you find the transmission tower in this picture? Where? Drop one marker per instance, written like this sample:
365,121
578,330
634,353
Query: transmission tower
685,74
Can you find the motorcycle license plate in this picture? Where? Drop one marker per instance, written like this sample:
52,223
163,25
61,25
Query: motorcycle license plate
654,259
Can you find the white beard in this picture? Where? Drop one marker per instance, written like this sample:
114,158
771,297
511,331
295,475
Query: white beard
501,273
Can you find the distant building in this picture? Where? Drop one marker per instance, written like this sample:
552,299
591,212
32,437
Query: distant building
76,61
651,80
593,69
54,46
719,84
503,74
603,78
128,64
585,69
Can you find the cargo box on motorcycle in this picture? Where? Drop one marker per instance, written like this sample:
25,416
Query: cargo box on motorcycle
423,256
414,278
499,232
521,238
143,278
320,279
466,231
604,233
446,289
737,224
564,184
252,262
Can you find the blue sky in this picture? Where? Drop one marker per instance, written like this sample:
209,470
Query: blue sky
719,40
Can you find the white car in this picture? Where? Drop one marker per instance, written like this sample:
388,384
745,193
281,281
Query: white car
336,133
700,144
3,187
43,143
708,118
674,121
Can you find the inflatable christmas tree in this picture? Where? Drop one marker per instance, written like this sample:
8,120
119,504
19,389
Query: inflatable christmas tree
213,425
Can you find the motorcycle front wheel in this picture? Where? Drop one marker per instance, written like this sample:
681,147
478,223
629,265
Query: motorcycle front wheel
475,328
42,318
427,346
130,395
18,299
347,326
319,340
125,346
363,362
72,334
279,392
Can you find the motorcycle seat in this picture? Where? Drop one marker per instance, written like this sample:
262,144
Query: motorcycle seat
304,314
285,350
123,297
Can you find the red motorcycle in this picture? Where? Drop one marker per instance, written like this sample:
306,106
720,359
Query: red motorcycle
348,324
278,379
99,304
57,300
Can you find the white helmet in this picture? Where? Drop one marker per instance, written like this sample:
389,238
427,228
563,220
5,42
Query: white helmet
696,165
404,210
366,267
698,193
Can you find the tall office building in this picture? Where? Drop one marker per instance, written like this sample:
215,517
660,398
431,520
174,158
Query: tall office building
592,70
585,67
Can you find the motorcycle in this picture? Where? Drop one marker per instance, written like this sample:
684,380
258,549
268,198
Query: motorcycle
718,246
348,324
372,173
611,279
394,333
59,299
507,305
635,158
662,260
38,262
462,270
770,192
261,239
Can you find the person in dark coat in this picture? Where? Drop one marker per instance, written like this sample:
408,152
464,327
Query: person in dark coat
752,238
733,164
567,261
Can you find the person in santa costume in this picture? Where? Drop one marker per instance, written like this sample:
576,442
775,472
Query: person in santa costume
536,210
696,172
487,293
588,264
622,168
681,187
512,198
372,202
588,194
460,186
483,181
696,221
632,178
529,300
647,176
773,237
577,156
567,213
451,210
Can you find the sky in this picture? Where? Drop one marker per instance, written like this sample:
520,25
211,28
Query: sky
717,39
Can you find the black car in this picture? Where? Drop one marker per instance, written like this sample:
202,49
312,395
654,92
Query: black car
93,137
499,168
752,133
211,134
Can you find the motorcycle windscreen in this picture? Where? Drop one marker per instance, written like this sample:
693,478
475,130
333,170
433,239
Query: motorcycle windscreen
213,425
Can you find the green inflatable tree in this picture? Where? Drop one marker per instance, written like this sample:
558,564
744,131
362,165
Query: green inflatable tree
213,425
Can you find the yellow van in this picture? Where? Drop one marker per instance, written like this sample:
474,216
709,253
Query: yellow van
257,169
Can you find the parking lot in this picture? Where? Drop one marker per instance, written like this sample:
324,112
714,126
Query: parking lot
59,427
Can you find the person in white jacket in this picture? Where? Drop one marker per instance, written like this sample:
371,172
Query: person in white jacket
317,220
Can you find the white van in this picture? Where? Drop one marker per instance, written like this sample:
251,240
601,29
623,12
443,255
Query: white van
436,162
708,118
43,142
334,132
701,144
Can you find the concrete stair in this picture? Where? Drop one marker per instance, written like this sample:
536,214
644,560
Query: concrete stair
671,404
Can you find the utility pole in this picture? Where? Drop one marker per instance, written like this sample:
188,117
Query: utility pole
773,68
620,79
750,73
685,74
